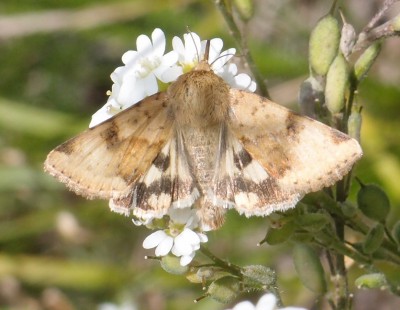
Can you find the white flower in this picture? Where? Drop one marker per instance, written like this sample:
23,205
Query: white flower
139,76
266,302
180,239
146,68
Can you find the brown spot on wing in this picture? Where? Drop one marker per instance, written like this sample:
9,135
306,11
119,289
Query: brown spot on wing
110,135
67,147
338,136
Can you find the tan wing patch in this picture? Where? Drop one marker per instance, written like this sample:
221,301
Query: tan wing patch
106,160
302,154
168,182
241,182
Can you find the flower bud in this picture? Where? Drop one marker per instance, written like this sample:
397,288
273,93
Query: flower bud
354,124
312,222
224,289
373,202
373,239
171,264
372,280
324,44
336,84
311,93
278,235
365,61
245,8
256,275
309,268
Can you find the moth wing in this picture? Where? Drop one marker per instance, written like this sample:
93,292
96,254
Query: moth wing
104,161
240,181
302,155
168,182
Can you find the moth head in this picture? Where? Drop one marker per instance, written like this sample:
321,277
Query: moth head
203,64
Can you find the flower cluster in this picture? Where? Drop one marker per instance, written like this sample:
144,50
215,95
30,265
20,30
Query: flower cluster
145,72
266,302
148,70
182,236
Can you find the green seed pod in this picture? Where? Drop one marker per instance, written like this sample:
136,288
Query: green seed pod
171,264
324,44
224,289
311,93
309,268
336,84
245,8
396,23
372,280
258,275
302,237
373,202
365,61
396,232
354,125
347,39
374,239
312,222
278,235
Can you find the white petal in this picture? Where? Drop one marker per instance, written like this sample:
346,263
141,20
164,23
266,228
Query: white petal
130,56
100,116
203,237
150,85
186,259
179,48
154,239
266,302
253,86
244,305
181,248
169,59
158,39
242,81
192,46
292,308
143,45
171,74
215,49
165,246
224,58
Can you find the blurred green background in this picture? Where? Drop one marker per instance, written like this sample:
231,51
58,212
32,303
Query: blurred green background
60,251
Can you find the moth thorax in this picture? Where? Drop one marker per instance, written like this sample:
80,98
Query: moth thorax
199,98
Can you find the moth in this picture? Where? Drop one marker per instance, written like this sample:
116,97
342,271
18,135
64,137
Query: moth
203,145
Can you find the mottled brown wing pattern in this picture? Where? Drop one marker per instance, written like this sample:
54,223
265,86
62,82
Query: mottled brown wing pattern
104,161
301,154
168,182
241,182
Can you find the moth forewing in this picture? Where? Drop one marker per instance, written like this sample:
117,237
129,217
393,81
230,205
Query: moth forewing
302,154
104,161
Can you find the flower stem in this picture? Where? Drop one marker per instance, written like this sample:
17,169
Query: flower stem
235,270
242,45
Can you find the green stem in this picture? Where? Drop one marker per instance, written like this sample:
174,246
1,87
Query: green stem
235,270
242,46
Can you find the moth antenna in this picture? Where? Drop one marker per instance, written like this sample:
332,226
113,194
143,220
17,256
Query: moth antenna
220,56
194,42
207,51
